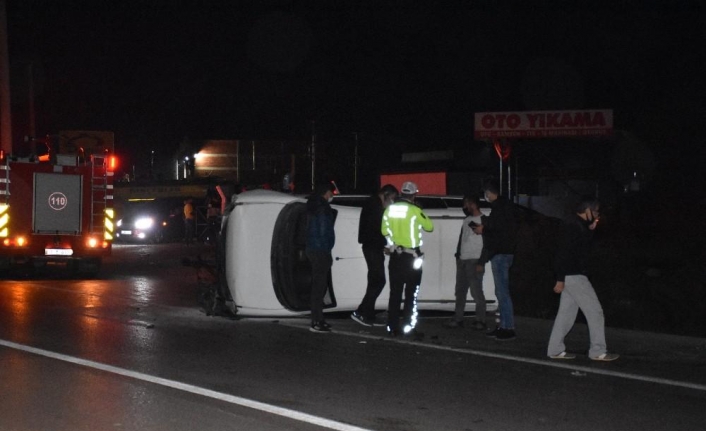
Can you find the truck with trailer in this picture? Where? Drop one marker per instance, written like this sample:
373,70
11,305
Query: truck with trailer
56,209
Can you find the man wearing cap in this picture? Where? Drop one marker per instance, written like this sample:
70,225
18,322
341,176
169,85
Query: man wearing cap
402,225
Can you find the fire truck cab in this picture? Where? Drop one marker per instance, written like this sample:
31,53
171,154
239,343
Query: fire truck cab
57,210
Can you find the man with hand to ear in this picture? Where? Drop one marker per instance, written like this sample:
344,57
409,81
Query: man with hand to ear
574,286
499,230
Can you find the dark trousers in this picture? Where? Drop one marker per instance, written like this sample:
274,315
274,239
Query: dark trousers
375,259
213,226
189,230
321,262
403,278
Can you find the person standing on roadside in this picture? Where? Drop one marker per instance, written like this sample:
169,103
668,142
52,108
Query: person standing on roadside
574,286
373,243
499,231
212,221
469,271
320,239
402,225
189,220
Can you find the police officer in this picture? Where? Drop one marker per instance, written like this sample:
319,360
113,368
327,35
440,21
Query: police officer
402,225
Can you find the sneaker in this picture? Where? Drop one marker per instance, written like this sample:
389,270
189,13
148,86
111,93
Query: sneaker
321,327
479,326
361,319
606,357
563,355
503,334
453,323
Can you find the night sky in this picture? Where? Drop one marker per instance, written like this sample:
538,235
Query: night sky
409,74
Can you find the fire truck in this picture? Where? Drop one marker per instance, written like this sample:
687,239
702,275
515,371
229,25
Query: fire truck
56,209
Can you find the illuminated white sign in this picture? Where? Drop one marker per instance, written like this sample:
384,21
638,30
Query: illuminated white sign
58,252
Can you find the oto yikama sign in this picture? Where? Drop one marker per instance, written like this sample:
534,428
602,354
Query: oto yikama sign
543,124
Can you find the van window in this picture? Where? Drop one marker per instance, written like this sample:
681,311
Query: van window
349,201
453,202
430,203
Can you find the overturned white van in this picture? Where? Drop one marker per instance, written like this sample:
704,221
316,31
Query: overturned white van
267,273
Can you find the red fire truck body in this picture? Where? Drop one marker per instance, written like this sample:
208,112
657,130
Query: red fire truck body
58,212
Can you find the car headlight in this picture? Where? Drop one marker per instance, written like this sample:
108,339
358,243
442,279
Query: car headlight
144,223
119,223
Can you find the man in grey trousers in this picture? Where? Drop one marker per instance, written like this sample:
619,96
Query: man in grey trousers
469,270
575,288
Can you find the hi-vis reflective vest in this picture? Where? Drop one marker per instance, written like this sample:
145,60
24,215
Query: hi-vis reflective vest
402,224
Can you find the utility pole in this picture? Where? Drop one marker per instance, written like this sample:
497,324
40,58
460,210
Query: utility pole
5,117
355,163
313,155
32,126
501,175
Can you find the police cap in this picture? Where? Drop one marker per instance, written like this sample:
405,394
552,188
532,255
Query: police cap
409,188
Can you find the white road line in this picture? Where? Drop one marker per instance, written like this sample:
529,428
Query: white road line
244,402
543,362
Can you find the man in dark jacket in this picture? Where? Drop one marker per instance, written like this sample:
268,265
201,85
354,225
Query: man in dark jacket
499,231
320,239
575,288
374,243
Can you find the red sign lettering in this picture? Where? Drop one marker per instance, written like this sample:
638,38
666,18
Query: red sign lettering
543,124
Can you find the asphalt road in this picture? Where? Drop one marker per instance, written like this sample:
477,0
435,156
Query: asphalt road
132,350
